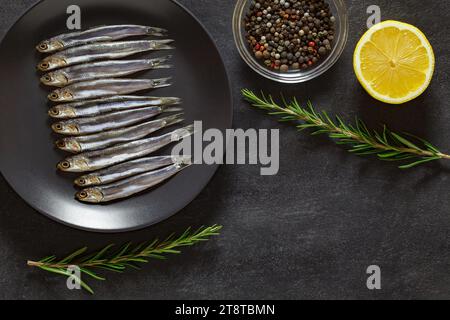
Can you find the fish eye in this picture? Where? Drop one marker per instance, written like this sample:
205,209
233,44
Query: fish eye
47,78
58,126
81,181
83,195
65,164
54,96
44,65
60,144
43,46
54,111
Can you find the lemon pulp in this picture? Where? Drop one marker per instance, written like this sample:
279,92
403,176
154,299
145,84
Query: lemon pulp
394,62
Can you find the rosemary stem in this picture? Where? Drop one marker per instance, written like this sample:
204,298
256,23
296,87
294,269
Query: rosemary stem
351,135
387,145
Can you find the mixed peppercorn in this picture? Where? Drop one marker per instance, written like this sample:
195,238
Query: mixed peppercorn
290,34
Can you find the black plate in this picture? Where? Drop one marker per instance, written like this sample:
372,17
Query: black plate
28,157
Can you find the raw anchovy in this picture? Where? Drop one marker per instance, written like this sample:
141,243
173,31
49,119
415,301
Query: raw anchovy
90,108
97,34
95,160
129,186
126,170
101,70
105,88
106,139
101,51
110,121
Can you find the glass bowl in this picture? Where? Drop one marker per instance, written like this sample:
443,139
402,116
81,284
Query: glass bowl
338,9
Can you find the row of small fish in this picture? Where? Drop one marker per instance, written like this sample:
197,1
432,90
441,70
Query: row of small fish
119,174
97,34
109,121
99,159
103,69
105,128
101,51
135,183
105,88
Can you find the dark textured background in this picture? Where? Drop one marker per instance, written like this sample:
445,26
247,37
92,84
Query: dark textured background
311,231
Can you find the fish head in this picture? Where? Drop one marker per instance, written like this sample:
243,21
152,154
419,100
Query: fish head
91,195
56,79
49,46
62,112
65,128
74,164
88,180
69,144
51,63
61,95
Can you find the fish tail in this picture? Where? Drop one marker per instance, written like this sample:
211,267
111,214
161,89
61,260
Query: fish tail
183,165
161,83
161,44
168,109
182,160
159,32
169,101
182,133
161,63
171,120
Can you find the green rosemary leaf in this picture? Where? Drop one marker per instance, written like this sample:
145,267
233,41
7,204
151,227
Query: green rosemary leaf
414,164
306,125
70,257
327,118
114,266
431,147
138,247
123,250
105,267
425,143
103,252
337,136
156,256
379,138
385,155
55,270
92,274
358,150
131,265
141,260
172,251
86,287
404,141
48,259
151,245
318,132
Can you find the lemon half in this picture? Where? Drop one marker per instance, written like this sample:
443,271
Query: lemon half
394,62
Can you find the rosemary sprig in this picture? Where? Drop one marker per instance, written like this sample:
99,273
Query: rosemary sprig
126,257
386,145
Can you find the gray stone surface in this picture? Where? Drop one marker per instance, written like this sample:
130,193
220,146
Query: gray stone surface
309,232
